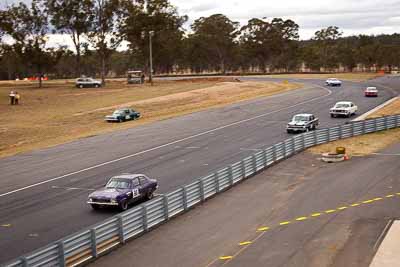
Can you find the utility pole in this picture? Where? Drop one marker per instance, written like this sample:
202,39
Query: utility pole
151,57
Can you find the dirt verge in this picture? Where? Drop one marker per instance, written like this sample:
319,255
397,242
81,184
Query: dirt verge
368,143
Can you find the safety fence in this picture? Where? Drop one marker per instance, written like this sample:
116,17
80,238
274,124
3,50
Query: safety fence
89,244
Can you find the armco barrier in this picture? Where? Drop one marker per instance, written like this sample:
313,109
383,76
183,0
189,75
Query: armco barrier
91,243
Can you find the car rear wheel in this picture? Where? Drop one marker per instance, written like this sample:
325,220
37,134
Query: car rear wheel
123,205
96,85
81,86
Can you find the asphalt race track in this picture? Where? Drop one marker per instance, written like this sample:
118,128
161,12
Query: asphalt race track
43,193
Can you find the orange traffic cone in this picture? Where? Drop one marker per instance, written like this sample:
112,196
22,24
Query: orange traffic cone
346,157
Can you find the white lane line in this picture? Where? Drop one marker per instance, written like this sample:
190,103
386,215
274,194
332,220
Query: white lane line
72,188
169,144
192,147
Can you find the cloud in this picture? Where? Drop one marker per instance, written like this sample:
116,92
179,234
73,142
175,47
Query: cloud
351,16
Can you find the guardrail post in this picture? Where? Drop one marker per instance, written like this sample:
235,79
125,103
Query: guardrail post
120,229
61,254
243,169
216,182
386,123
184,192
144,218
293,146
203,197
363,127
254,163
284,149
274,156
315,137
340,131
265,158
24,262
230,175
93,243
375,125
166,208
398,121
303,141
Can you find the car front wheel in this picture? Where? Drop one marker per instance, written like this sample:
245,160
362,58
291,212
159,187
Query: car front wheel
123,205
95,206
150,195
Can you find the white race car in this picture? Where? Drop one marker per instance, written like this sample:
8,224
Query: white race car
333,82
343,108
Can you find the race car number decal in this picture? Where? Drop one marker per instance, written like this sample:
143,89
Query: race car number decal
135,192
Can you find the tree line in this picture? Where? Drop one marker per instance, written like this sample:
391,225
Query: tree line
99,28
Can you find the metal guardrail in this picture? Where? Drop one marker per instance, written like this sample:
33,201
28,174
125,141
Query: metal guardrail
89,244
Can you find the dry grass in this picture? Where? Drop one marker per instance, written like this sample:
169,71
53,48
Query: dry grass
59,113
357,77
369,143
392,108
361,145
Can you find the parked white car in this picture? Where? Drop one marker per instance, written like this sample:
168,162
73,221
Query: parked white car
343,108
333,82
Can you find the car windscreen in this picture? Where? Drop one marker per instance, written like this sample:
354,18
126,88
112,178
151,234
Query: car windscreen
300,118
342,106
119,183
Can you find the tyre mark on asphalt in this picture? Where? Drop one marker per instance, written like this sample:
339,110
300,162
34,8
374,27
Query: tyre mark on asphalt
263,229
173,142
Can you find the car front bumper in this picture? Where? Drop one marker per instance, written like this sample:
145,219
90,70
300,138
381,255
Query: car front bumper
103,203
296,129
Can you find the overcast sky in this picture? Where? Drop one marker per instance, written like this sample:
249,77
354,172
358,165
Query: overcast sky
351,16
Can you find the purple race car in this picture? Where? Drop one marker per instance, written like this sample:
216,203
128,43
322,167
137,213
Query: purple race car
122,190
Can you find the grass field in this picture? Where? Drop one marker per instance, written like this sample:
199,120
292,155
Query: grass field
368,143
59,113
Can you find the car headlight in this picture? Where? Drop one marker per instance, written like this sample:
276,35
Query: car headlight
113,201
90,200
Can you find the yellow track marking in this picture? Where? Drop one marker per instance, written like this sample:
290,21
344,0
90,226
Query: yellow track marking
342,208
329,211
368,201
245,243
263,228
378,198
284,223
388,196
316,214
355,204
398,194
225,257
6,225
301,218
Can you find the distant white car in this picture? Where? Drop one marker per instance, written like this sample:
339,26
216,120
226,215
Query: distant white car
87,82
333,82
343,108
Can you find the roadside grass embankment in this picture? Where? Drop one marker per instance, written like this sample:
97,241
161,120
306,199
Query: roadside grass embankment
59,113
369,143
355,76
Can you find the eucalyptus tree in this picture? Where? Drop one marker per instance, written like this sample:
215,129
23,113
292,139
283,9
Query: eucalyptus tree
71,17
28,27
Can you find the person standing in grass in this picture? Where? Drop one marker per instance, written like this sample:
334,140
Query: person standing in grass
12,97
17,97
